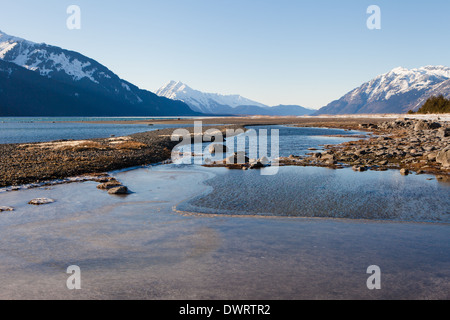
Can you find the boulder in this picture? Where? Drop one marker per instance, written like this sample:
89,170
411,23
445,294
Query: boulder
443,157
217,148
443,132
118,190
2,209
264,160
108,185
421,125
237,158
435,125
432,156
256,165
40,201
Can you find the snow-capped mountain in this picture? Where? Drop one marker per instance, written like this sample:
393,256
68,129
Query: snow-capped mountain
200,101
397,91
214,103
85,75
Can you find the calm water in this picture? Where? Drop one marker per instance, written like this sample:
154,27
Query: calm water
323,192
137,247
292,140
26,130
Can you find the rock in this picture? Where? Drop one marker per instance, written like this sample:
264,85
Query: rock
264,160
118,190
432,156
3,209
359,168
328,157
443,157
435,125
421,125
256,165
108,185
217,148
41,201
368,126
237,158
404,172
443,132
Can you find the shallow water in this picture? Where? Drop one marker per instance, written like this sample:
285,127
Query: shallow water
137,247
323,192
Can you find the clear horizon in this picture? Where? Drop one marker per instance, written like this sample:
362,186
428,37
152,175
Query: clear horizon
285,52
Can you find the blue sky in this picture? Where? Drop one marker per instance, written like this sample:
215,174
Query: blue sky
276,52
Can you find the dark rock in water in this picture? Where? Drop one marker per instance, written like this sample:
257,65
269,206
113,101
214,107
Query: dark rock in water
3,209
404,172
118,190
359,168
237,158
256,165
41,201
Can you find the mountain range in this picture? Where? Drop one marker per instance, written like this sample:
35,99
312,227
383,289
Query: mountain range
214,103
43,80
397,91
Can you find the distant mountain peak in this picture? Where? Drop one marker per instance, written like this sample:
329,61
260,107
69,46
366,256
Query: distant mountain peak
201,101
216,103
396,91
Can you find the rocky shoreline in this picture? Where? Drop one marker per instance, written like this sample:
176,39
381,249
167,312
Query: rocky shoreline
418,146
40,164
405,144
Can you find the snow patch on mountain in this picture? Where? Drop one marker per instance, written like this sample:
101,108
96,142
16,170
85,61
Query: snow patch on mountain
42,58
401,80
200,101
398,90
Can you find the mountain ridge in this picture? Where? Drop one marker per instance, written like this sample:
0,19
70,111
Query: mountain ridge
396,91
86,76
